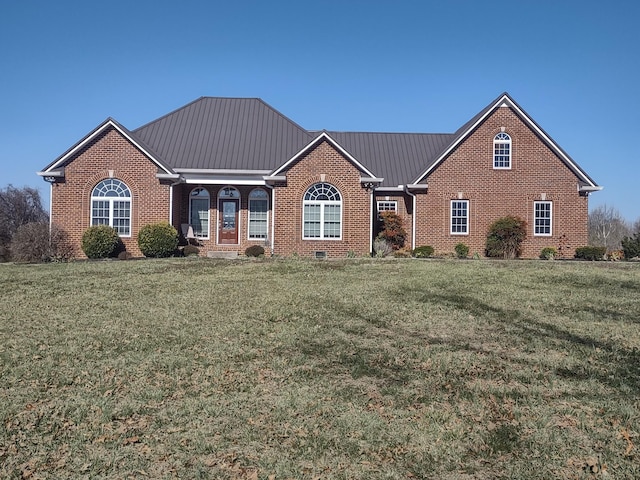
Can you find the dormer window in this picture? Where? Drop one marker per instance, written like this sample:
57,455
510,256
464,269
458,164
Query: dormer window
502,151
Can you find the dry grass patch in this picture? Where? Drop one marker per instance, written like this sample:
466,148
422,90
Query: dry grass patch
196,368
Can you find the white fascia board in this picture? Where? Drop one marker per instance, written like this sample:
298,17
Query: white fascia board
109,123
589,188
274,178
371,180
222,171
168,176
50,174
417,186
222,180
336,145
399,188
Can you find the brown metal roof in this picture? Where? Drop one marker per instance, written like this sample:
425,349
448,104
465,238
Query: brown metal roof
396,157
246,134
224,133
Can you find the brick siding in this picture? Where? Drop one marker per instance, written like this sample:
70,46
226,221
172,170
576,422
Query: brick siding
468,174
536,174
108,155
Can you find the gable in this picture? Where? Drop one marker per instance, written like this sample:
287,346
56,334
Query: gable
56,168
324,137
504,101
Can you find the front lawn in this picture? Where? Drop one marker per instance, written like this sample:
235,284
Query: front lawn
286,369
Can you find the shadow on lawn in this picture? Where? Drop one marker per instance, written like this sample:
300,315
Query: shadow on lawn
622,365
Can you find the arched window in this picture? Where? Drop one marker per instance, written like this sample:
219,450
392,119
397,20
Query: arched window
111,205
199,212
258,214
502,151
322,212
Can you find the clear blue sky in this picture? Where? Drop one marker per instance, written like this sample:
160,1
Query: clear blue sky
405,66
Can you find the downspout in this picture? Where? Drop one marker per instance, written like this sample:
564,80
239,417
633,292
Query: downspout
50,209
413,218
372,223
273,215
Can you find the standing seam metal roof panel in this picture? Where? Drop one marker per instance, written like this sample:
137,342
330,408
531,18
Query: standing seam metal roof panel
225,133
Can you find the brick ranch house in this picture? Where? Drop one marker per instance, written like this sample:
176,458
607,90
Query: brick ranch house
233,172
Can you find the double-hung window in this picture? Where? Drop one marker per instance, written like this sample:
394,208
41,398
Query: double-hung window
258,214
459,217
111,205
542,216
502,151
322,212
199,212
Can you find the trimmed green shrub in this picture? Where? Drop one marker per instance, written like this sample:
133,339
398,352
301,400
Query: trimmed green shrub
505,237
391,229
100,241
548,253
631,246
189,250
591,253
254,251
461,250
423,251
158,240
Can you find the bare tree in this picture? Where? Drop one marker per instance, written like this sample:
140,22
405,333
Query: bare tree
636,226
19,206
607,228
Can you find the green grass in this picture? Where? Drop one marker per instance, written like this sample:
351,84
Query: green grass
280,369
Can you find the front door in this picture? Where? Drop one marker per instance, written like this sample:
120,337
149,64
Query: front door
228,227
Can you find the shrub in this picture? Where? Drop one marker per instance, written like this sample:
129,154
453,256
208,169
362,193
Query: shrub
391,229
631,246
402,253
100,241
461,250
505,237
124,255
30,243
189,250
158,240
382,247
423,251
254,251
548,253
591,253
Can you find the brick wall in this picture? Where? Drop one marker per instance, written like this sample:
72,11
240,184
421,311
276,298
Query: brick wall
322,164
536,173
108,155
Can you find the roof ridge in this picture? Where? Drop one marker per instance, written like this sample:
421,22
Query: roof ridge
385,133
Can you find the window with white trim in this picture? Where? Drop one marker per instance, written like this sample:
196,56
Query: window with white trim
322,212
258,214
199,206
542,218
387,206
502,151
111,205
459,217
